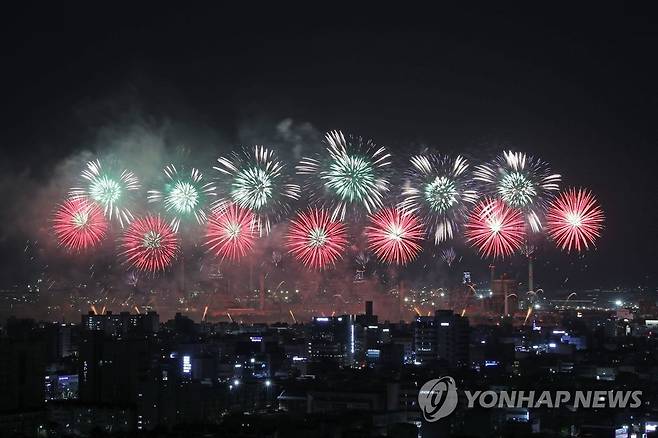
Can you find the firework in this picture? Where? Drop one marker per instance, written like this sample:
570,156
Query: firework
527,249
522,182
231,232
352,174
276,258
316,239
495,229
395,236
79,224
256,180
362,258
149,244
132,278
448,255
114,192
575,220
184,195
439,189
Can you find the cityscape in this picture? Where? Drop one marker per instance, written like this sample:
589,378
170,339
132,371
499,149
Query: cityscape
218,223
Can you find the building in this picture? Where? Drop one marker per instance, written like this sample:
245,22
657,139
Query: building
122,323
444,336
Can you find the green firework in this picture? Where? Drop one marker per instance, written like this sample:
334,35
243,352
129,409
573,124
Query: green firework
352,178
516,190
252,188
184,195
441,194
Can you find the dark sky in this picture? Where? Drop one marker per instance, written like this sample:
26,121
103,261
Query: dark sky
577,88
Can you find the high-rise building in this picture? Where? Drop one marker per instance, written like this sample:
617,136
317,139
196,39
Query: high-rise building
332,339
22,369
424,339
120,324
444,336
452,337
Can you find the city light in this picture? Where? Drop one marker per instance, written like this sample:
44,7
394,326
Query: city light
215,226
187,365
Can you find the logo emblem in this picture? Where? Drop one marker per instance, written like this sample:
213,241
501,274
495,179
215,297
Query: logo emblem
438,398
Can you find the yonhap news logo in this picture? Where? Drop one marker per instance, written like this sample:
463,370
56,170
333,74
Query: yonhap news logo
438,398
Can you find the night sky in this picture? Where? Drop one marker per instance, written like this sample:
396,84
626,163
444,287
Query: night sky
580,92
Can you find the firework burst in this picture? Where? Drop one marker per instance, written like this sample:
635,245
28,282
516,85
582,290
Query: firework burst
395,236
495,229
79,224
231,232
256,180
114,192
575,220
315,239
448,255
351,174
439,189
522,182
184,196
149,244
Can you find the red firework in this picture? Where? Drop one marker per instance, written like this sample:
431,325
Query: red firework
315,239
79,224
574,220
395,236
149,244
495,229
231,233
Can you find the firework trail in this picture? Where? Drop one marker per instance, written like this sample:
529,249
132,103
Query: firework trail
495,229
395,236
132,278
448,255
184,196
149,244
315,239
522,182
575,220
114,192
350,174
439,189
276,258
362,258
527,249
256,180
79,224
231,232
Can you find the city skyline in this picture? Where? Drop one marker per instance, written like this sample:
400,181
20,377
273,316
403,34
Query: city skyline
279,222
